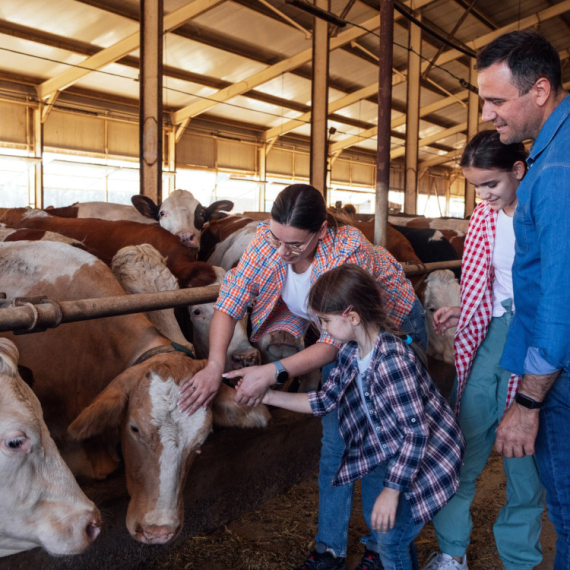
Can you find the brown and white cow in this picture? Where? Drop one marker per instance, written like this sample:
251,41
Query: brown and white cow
141,269
181,214
104,238
40,501
442,290
101,381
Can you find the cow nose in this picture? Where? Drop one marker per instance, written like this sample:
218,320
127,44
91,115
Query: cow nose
93,529
188,239
154,534
245,358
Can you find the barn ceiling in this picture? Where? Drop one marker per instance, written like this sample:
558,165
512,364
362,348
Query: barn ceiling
248,62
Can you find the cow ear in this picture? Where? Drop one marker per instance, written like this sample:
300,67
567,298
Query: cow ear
216,210
26,375
145,206
106,411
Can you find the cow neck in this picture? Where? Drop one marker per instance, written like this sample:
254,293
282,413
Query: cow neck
164,349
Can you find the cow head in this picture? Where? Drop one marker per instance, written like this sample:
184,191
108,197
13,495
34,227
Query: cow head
181,214
442,290
278,345
159,442
40,501
240,354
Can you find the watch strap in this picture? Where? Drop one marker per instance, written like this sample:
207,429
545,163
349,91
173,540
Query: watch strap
281,374
527,402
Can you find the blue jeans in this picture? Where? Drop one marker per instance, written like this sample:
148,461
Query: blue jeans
517,528
552,454
396,547
335,503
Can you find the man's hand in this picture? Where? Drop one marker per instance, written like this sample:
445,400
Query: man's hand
517,431
445,318
200,389
254,382
384,510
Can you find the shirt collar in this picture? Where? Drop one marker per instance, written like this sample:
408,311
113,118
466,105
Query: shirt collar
549,129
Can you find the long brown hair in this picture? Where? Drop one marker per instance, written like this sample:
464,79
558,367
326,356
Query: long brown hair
302,206
350,285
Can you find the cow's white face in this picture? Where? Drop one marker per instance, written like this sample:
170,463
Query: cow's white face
40,501
181,214
158,442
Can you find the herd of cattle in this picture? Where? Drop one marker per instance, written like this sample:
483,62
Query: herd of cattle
111,381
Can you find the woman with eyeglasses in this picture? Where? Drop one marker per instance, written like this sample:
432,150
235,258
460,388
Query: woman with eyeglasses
288,253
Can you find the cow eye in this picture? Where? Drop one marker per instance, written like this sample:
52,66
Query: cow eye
134,429
15,443
431,309
161,213
197,312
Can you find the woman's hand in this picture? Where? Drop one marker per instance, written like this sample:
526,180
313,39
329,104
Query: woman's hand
384,510
253,384
445,318
201,388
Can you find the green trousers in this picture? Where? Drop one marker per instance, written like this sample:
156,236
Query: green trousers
517,528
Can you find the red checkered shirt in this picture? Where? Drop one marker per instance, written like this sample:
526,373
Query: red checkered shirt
477,278
258,280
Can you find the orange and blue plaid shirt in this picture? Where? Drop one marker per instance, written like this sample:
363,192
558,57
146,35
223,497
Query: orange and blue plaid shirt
258,280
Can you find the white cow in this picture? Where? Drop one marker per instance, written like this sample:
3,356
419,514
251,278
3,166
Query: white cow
40,501
181,214
228,252
442,290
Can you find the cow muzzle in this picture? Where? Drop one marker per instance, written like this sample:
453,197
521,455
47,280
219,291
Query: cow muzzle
156,534
245,358
189,239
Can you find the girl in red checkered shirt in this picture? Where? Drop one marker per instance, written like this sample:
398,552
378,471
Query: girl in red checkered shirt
482,387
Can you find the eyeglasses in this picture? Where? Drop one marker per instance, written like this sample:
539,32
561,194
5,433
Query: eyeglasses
294,249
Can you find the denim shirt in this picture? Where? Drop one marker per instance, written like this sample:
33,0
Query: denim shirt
540,331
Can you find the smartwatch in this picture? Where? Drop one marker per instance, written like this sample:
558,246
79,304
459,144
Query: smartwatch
281,375
527,402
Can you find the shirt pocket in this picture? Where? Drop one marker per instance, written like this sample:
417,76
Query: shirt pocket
522,229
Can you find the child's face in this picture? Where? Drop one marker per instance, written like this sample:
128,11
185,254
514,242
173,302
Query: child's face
339,327
497,187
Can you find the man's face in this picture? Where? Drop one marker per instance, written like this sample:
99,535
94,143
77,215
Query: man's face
516,117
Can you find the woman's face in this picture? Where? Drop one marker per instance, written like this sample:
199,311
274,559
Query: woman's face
497,187
295,244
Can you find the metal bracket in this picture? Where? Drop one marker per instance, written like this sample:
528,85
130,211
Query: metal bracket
37,325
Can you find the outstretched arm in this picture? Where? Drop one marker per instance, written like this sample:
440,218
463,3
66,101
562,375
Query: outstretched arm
445,318
293,402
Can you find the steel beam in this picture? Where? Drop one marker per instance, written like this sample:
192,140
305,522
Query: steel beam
121,48
413,120
150,117
319,101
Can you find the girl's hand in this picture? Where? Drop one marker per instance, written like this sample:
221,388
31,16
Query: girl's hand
200,389
255,380
384,511
445,318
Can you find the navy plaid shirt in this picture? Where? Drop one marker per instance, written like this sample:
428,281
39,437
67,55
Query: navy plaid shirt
413,427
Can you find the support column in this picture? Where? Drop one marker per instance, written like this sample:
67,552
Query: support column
412,120
262,158
150,117
36,172
384,120
319,101
170,160
472,129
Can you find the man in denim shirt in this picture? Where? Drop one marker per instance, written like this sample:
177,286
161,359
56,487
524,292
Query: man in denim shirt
520,84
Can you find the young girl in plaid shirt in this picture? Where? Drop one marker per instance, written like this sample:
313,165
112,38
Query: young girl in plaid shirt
400,435
483,388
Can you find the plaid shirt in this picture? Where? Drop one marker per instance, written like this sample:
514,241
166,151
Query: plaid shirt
477,278
259,277
413,427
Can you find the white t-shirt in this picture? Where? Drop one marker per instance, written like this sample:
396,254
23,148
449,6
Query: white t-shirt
363,364
503,257
295,292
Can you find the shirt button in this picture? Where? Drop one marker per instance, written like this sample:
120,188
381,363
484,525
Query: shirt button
384,445
377,428
413,420
366,394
